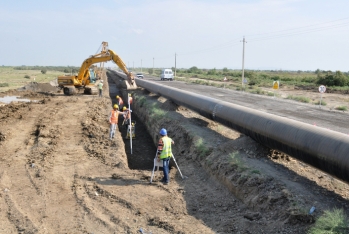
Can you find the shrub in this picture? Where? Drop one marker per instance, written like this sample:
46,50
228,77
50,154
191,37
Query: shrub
43,71
27,76
212,71
201,147
342,108
4,85
235,160
330,79
331,222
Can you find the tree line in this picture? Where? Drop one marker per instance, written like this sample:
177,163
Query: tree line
43,69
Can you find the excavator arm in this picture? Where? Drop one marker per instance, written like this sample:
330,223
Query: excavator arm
82,80
106,56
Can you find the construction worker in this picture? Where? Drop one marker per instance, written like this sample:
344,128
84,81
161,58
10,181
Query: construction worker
113,120
100,88
164,154
127,116
130,99
119,101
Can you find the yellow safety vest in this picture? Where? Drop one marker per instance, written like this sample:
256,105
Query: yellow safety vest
166,149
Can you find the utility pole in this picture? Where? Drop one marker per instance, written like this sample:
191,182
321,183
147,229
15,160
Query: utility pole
153,66
243,60
133,65
175,65
141,65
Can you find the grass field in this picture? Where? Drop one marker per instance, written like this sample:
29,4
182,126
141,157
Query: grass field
12,79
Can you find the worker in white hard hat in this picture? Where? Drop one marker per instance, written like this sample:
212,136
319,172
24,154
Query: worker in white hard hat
100,88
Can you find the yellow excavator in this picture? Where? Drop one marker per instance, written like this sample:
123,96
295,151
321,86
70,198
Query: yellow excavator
83,81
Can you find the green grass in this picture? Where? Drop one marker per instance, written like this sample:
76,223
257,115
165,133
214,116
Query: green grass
299,98
141,100
342,108
323,103
201,147
257,91
235,160
156,113
331,222
16,78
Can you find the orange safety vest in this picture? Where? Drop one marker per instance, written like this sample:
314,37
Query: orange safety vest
121,102
114,117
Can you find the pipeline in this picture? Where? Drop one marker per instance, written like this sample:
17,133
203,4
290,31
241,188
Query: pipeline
323,149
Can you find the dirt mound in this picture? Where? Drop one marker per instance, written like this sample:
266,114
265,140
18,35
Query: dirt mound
39,87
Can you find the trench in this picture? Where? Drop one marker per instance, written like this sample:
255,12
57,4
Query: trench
143,148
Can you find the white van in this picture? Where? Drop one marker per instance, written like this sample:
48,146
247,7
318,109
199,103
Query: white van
166,74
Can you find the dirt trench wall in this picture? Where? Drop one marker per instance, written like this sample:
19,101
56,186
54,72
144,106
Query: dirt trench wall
223,158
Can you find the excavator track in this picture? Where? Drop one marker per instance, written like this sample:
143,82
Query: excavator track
91,89
69,90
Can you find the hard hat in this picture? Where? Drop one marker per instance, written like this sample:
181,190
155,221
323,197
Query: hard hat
101,81
116,106
117,96
124,108
163,132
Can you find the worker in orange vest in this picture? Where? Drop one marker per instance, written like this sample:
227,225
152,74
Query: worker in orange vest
130,99
113,120
119,101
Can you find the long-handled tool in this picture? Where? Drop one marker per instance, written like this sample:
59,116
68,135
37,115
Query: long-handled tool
183,177
130,122
156,163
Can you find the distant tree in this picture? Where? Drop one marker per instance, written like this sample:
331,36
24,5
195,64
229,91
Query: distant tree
150,71
43,71
317,71
333,79
225,70
212,72
193,70
66,70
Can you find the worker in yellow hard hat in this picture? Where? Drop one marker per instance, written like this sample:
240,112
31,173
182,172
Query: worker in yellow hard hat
119,101
113,120
127,116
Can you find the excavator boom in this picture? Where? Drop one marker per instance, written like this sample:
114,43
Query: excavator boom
82,80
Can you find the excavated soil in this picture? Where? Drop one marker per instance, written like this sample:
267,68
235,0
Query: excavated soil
60,173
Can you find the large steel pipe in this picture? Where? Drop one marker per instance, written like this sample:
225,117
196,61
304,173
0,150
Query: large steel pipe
324,149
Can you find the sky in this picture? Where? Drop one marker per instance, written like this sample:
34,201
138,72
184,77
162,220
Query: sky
280,34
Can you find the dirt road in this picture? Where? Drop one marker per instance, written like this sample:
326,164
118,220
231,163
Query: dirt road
60,173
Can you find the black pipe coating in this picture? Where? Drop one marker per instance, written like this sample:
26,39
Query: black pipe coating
321,148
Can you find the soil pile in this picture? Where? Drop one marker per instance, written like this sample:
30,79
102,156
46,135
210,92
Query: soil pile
39,87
